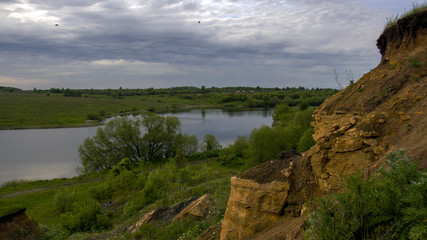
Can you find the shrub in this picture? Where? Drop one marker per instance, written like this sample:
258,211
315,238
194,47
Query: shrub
102,192
124,164
93,116
63,200
389,205
159,182
210,143
87,217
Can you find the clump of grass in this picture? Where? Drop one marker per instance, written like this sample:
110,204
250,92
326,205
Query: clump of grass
416,7
414,62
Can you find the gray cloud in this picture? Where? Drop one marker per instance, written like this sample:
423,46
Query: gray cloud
267,43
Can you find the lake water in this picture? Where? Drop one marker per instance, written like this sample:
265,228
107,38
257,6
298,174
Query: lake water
52,153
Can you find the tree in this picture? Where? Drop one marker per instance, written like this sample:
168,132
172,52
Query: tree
119,139
266,142
188,144
161,135
122,138
210,143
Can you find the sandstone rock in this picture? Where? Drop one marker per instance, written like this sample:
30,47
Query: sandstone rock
347,144
252,207
162,215
201,208
348,163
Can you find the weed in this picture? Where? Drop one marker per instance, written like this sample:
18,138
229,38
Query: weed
416,7
383,94
372,99
413,62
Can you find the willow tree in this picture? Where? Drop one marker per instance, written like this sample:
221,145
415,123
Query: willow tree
149,137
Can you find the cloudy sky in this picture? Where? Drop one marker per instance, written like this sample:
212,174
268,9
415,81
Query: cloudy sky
160,43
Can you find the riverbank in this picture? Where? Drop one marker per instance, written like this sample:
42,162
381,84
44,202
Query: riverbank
43,109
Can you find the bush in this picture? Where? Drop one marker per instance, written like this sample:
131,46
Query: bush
389,205
102,192
87,217
158,183
210,143
63,201
93,116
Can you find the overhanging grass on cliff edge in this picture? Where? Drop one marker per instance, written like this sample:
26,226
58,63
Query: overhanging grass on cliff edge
416,7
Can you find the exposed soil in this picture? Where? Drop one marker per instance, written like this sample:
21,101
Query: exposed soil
271,170
165,215
285,228
395,91
17,225
213,233
403,34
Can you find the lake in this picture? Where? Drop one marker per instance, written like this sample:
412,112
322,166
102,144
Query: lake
52,153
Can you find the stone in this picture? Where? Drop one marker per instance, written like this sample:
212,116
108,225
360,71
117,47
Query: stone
202,208
252,207
347,144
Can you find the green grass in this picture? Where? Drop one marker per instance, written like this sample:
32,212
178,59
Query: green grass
27,109
416,7
20,110
175,185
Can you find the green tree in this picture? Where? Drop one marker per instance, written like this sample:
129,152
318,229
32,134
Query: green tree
266,142
122,138
210,143
188,144
161,136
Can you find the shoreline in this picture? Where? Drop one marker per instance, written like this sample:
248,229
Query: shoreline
93,123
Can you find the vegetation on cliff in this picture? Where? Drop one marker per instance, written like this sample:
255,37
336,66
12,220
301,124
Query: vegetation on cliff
416,7
391,204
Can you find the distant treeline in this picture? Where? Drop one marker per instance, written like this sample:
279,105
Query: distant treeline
9,89
246,96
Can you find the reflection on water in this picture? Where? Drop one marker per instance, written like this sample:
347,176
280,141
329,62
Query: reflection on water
52,153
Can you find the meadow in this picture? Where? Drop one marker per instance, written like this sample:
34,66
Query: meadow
75,108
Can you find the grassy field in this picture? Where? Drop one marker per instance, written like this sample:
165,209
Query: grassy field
20,110
45,109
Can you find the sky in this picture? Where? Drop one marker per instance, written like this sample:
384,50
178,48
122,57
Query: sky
166,43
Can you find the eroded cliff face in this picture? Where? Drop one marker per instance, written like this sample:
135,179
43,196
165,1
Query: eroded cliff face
382,112
260,196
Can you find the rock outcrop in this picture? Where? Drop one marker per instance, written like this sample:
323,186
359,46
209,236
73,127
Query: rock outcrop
261,195
163,215
201,208
382,112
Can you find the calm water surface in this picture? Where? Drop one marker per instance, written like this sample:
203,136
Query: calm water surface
52,153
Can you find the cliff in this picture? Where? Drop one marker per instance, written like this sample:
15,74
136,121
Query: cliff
382,112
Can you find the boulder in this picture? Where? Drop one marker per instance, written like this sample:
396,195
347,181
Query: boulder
252,207
201,208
